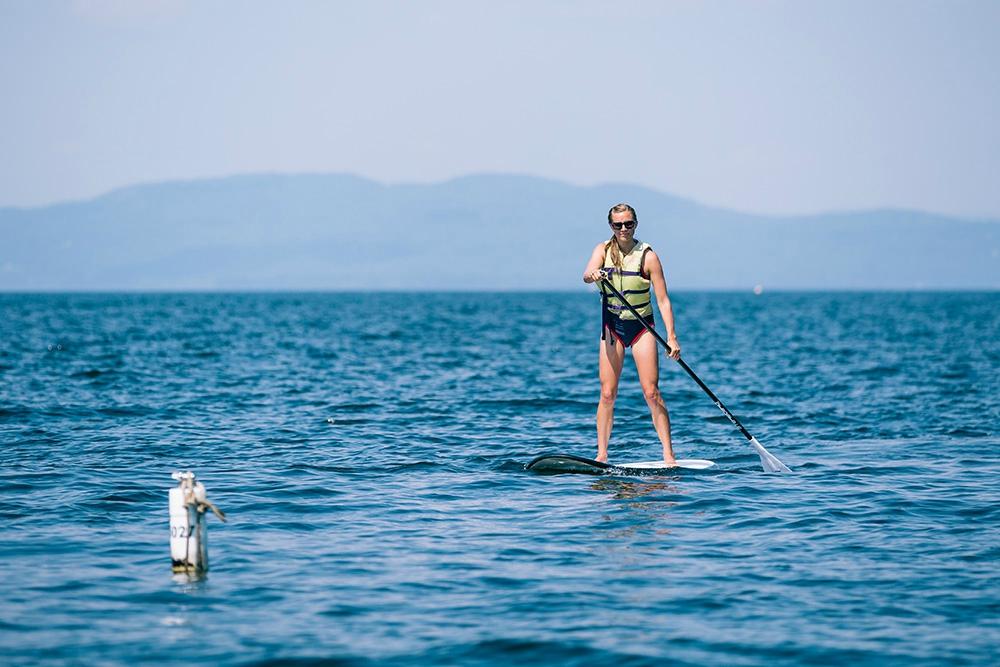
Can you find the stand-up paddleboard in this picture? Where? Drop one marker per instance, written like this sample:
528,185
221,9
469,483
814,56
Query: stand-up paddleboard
569,463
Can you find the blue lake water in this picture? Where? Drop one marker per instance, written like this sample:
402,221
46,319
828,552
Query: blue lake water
369,451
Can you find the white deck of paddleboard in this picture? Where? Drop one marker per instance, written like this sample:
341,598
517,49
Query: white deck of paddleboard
563,463
691,464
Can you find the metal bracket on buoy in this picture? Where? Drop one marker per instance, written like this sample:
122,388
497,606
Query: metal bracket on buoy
188,533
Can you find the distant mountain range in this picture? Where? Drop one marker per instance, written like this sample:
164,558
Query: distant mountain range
486,232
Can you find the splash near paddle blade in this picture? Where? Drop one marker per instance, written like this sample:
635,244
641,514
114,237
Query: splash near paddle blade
768,460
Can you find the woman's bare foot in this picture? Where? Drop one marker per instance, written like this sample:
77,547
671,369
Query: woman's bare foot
603,458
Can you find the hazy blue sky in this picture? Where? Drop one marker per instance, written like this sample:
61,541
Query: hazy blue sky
762,106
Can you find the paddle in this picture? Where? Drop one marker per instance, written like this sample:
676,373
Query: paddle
767,460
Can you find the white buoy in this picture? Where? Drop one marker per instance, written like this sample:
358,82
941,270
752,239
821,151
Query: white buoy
758,289
188,534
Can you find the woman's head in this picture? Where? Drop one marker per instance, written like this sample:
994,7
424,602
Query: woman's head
622,212
623,221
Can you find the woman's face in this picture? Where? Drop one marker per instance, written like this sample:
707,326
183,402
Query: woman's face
626,223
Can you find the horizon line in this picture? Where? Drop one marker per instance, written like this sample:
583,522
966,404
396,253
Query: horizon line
329,291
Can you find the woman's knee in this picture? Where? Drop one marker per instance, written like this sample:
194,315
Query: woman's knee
609,393
652,392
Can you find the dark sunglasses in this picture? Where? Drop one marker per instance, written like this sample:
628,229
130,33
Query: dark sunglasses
617,226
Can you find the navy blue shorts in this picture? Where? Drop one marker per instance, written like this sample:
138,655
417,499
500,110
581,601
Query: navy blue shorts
626,331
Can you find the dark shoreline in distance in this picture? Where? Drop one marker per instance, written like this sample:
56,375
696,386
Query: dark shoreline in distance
486,232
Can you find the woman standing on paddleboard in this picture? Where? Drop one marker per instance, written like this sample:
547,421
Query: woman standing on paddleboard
632,267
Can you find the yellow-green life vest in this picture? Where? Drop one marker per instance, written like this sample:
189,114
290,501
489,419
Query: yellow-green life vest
630,281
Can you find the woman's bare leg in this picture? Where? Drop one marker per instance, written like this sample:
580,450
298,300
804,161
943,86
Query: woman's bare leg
645,353
612,356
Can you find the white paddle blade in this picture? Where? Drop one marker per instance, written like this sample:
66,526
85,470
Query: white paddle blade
768,460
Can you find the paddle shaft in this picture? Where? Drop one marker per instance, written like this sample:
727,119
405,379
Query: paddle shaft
704,387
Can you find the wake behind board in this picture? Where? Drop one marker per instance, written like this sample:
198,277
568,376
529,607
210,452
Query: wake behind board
569,463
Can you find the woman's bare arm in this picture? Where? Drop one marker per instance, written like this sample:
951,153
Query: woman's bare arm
655,272
591,273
